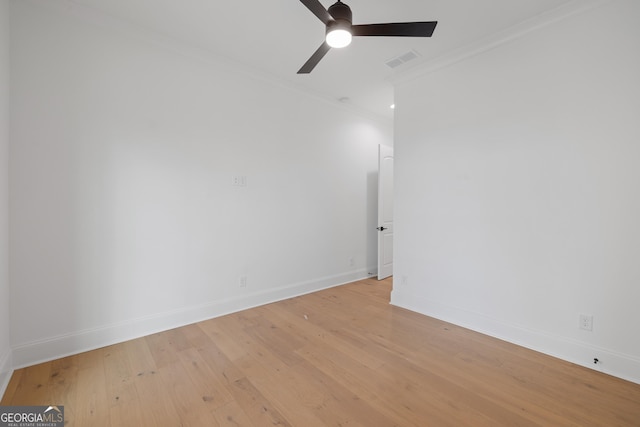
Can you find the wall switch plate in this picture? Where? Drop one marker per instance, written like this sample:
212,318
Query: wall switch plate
586,322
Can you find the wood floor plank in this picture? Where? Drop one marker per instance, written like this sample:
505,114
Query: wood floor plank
338,357
121,388
376,385
165,346
33,387
225,369
271,384
225,342
192,408
478,379
257,406
196,337
231,415
91,406
314,330
156,401
139,356
204,381
63,385
155,405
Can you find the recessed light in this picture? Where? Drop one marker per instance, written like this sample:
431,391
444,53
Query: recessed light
392,106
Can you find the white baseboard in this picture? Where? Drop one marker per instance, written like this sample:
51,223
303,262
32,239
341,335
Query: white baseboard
610,362
79,341
6,370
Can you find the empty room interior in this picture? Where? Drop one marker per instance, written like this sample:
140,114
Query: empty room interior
191,216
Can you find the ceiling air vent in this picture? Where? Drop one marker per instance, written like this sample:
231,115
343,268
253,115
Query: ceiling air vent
401,59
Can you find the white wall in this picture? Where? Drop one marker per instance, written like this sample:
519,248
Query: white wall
518,190
124,217
5,348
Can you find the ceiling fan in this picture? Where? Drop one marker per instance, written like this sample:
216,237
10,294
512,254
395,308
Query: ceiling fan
340,30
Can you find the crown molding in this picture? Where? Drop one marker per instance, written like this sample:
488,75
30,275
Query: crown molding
537,23
196,53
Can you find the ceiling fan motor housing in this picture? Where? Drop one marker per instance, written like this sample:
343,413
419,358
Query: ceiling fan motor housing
342,16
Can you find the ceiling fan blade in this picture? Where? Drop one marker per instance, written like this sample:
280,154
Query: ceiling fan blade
315,58
318,9
399,29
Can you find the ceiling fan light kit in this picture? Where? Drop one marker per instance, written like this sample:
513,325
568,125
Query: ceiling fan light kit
338,37
340,30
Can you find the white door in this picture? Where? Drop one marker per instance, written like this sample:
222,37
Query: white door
385,212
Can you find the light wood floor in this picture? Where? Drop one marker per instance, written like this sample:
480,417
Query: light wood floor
339,357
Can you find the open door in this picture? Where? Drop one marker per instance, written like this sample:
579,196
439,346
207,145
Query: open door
385,212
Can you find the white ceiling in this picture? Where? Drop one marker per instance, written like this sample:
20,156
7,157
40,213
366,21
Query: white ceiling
276,37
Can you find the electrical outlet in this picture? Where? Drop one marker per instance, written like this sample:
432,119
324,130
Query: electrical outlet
586,322
239,181
351,262
242,281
